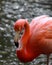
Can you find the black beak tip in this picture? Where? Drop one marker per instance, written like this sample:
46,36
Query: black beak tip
16,44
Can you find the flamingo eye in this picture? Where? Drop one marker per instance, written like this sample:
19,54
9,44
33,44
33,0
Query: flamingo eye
21,33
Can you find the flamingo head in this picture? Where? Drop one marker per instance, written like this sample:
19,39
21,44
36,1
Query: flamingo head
19,29
19,24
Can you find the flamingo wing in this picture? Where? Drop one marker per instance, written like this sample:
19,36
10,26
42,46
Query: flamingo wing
46,37
44,33
41,36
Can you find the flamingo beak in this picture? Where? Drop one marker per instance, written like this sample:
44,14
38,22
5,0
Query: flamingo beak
16,38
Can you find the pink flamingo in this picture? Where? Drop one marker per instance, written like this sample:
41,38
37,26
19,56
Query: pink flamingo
36,38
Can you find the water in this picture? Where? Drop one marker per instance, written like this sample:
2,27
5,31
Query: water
10,11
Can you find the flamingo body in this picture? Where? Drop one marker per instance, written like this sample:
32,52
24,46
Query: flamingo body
36,39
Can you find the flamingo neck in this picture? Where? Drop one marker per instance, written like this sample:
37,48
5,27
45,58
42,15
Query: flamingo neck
25,54
26,33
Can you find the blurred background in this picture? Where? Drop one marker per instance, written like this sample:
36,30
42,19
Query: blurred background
10,11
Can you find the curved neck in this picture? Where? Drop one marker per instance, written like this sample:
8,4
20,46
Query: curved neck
26,33
25,54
